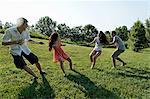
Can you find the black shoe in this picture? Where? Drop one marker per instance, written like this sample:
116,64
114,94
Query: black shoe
42,72
124,64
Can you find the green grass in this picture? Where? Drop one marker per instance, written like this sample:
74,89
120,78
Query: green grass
131,81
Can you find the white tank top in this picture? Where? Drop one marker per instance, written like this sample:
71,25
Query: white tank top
98,45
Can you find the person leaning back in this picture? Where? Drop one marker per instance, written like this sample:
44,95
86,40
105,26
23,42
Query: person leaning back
16,37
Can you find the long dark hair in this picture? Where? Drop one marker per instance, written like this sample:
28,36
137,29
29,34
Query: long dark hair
52,39
103,38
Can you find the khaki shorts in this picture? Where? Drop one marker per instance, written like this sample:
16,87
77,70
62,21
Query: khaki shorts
117,53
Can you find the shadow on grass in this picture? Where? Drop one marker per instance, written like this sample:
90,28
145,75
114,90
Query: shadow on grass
89,88
36,90
145,51
135,73
100,70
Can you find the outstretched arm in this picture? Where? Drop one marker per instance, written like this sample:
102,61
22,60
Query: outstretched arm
113,42
110,43
92,41
35,42
13,42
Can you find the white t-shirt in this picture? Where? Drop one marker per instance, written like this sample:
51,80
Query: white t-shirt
119,42
13,34
98,45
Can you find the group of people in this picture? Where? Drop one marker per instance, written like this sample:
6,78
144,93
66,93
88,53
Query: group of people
17,36
101,40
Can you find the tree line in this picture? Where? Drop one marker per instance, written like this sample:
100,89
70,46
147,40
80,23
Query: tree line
138,36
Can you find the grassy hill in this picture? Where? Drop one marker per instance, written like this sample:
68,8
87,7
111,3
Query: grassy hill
131,81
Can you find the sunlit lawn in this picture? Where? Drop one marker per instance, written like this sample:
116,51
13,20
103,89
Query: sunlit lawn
131,81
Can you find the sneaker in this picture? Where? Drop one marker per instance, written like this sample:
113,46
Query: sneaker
33,80
64,75
92,67
42,72
113,67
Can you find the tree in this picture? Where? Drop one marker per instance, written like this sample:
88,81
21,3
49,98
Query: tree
45,25
125,33
122,32
90,32
1,25
107,33
63,30
32,28
138,36
8,25
147,25
76,34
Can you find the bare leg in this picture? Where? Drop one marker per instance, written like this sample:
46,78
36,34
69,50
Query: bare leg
39,68
93,52
94,59
62,67
91,58
27,69
70,63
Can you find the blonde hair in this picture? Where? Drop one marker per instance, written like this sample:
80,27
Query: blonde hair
21,21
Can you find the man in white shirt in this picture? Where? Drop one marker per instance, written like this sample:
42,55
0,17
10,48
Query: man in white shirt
16,37
120,48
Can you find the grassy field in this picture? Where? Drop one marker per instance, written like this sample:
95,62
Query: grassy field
131,81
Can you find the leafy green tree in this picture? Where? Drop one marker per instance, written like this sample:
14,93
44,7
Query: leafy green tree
32,28
138,36
108,35
90,32
1,25
147,25
122,32
63,30
8,25
45,25
76,34
125,33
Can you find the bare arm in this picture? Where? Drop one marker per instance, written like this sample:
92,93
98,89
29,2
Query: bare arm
113,42
92,41
35,42
13,42
9,43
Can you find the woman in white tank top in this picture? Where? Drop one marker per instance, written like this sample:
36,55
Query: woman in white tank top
98,45
99,41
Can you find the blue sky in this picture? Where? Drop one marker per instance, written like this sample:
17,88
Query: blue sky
103,14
